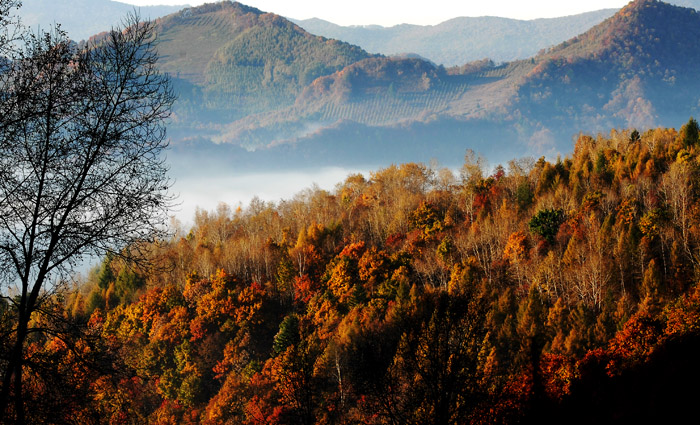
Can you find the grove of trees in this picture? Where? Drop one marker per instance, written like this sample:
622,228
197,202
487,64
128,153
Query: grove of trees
545,291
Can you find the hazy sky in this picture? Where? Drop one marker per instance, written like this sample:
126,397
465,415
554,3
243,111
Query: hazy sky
424,12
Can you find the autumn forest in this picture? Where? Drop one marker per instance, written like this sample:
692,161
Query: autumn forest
536,291
549,289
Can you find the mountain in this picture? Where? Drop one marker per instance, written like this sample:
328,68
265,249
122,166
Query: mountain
83,18
636,69
258,90
229,60
257,81
464,39
695,4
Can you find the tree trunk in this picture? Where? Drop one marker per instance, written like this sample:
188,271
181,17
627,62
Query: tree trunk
14,370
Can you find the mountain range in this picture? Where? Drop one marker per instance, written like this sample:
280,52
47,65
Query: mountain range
258,90
84,18
278,93
464,39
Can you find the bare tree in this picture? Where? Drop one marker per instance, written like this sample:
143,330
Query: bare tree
81,168
677,188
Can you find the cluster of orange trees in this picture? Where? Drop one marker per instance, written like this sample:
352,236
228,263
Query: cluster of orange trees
408,296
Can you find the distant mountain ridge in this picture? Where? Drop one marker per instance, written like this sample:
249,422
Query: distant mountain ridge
84,18
464,39
268,92
695,4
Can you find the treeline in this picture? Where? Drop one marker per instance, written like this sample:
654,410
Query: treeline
551,291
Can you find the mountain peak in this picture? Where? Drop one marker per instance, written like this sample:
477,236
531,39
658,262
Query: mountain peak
643,6
241,60
227,6
631,66
638,32
640,3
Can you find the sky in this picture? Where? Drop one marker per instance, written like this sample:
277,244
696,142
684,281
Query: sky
424,12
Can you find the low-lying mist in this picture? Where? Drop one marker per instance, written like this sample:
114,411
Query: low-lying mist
209,189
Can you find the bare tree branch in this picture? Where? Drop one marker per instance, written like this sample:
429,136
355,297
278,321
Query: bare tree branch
81,169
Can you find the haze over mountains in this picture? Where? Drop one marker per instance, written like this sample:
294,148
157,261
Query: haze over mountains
496,38
695,4
270,87
84,18
464,39
500,39
260,91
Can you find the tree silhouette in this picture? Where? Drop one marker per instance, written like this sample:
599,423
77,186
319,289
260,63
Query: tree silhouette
81,173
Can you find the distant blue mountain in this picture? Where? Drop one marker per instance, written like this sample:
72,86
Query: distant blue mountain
695,4
465,39
84,18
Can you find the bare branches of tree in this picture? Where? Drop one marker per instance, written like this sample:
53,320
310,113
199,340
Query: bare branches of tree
81,167
9,25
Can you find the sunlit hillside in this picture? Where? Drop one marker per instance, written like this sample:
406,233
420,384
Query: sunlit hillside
514,296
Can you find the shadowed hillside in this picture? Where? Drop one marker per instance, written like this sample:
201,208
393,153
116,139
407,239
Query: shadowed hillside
637,69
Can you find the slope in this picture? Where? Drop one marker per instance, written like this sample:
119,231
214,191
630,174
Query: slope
637,69
229,60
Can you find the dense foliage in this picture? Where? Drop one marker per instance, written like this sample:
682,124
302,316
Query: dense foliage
409,296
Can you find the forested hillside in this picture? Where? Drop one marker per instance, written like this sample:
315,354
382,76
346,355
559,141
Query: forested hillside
627,69
411,295
229,60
